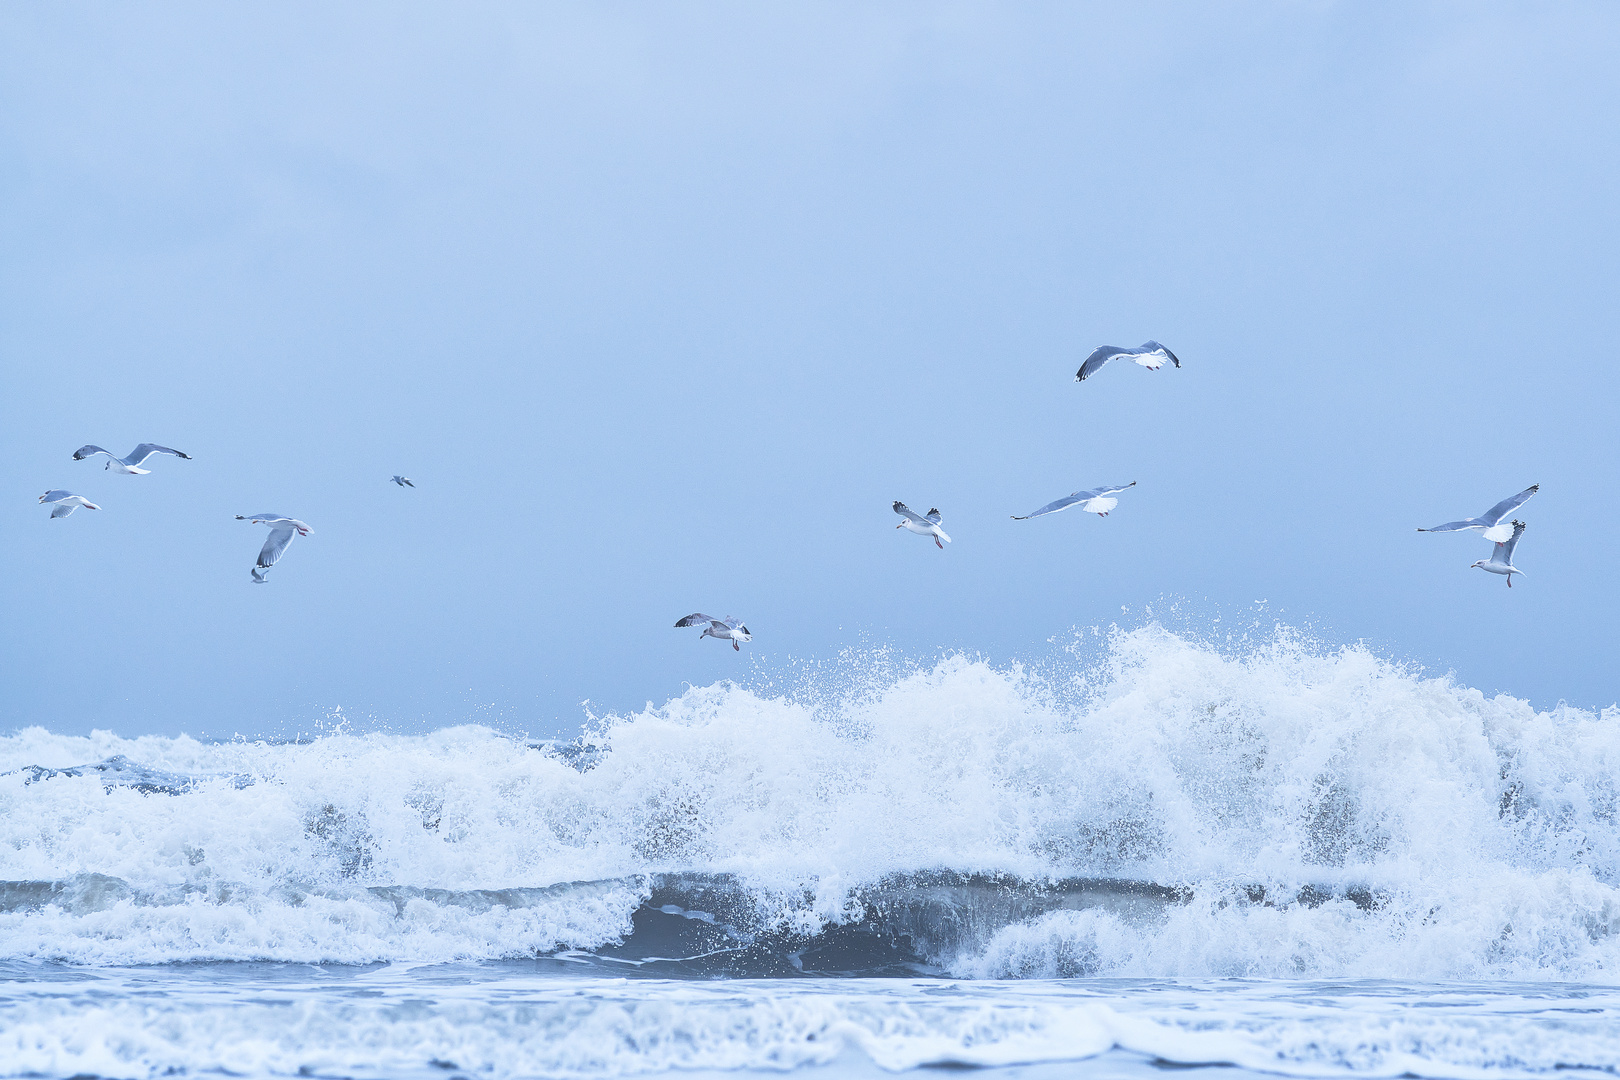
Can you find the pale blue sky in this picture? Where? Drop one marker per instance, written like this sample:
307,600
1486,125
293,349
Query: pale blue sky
662,305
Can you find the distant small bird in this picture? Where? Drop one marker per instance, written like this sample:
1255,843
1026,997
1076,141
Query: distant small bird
64,503
129,466
1490,522
922,526
403,481
1150,354
1501,560
726,629
1096,501
282,529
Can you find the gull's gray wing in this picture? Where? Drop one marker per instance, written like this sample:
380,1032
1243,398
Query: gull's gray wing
89,450
697,618
274,545
933,515
1059,504
905,511
1504,550
1457,526
731,622
1153,346
277,520
62,510
1099,356
147,449
1490,517
54,495
1506,506
1097,493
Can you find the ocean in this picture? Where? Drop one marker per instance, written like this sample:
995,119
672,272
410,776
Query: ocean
1157,852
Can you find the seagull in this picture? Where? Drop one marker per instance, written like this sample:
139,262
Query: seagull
1150,354
403,481
282,528
1501,560
922,526
64,503
131,465
1096,501
726,629
1490,522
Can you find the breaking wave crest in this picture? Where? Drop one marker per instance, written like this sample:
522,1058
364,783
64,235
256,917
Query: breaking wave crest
1165,808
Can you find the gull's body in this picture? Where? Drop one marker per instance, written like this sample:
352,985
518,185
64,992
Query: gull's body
927,525
1501,560
1150,354
282,530
63,503
1095,501
1493,522
403,481
131,465
726,629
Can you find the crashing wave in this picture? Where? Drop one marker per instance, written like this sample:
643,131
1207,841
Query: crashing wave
1167,809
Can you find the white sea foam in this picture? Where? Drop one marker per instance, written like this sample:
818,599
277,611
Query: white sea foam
1480,836
504,1025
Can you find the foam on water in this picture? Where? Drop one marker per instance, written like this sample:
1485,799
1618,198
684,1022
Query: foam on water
1307,812
404,1025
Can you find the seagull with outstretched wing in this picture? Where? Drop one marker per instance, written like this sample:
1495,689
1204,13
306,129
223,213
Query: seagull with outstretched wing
282,530
1501,560
1492,522
1150,354
131,465
403,481
926,525
726,629
1095,501
63,503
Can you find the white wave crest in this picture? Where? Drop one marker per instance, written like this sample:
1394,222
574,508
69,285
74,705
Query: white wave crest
1480,835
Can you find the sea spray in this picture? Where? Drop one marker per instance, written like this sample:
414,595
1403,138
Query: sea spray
1167,807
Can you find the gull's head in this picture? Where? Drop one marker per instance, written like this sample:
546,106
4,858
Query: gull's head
1477,562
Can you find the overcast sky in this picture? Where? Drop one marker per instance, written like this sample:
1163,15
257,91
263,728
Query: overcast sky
662,305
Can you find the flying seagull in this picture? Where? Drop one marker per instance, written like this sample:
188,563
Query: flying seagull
131,465
282,528
1096,501
1491,521
726,629
64,503
1501,560
1150,354
403,481
922,526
